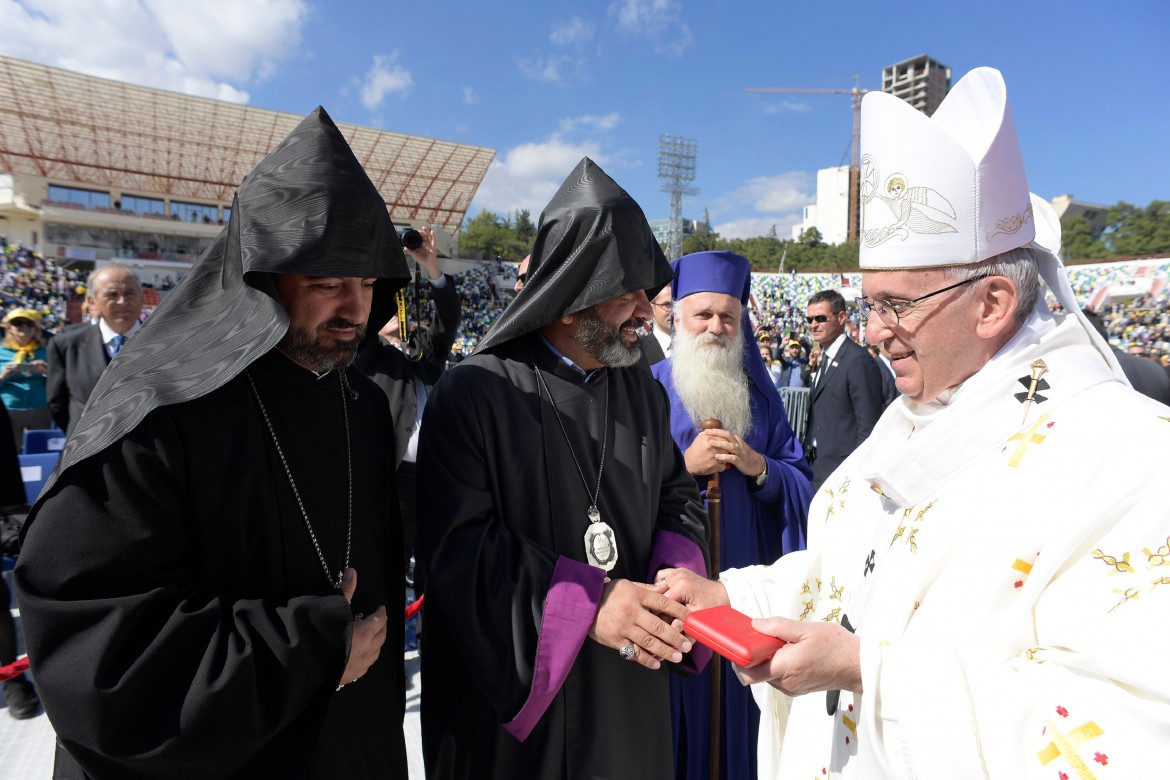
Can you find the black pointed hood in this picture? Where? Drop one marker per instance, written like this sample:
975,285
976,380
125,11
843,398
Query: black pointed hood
306,208
593,243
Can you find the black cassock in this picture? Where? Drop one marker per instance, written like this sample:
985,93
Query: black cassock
179,616
500,502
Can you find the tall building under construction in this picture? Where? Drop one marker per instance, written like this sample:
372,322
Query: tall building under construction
921,81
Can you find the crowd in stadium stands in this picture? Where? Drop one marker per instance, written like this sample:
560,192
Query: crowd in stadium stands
28,281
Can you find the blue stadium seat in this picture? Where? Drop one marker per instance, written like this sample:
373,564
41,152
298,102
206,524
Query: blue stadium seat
35,470
44,440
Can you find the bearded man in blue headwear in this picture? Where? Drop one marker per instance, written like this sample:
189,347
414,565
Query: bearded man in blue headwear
715,371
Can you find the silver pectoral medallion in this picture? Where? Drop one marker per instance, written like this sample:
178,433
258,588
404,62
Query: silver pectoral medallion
600,542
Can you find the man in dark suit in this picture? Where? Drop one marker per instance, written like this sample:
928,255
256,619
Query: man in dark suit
407,377
889,386
78,357
1145,375
846,399
656,343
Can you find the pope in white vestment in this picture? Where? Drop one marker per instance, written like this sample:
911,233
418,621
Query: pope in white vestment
1010,585
1000,544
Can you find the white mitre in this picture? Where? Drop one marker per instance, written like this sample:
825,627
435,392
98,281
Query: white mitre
950,189
943,190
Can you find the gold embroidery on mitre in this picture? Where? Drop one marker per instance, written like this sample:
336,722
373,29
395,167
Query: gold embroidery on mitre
1066,744
1010,225
832,617
920,209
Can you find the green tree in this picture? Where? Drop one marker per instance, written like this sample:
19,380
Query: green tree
1077,237
524,228
812,237
1138,231
489,235
704,239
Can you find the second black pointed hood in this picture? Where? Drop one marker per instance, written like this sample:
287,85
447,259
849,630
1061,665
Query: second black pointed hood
593,243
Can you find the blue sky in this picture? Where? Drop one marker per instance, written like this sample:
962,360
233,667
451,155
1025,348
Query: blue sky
545,83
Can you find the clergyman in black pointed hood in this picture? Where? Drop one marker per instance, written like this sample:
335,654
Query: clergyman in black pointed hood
551,486
204,581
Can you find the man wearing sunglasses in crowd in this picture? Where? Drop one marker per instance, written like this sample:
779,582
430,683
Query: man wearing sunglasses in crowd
846,398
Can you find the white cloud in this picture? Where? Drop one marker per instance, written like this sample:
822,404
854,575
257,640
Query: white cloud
469,96
773,194
752,208
793,106
601,124
546,69
528,175
385,77
575,31
659,21
209,48
750,227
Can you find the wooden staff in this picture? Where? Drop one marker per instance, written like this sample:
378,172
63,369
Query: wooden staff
714,500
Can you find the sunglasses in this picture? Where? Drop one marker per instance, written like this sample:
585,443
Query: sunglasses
817,318
22,324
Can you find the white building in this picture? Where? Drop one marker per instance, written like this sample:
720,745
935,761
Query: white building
830,214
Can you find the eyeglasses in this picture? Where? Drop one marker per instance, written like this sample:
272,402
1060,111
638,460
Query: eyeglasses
890,313
660,305
817,318
22,323
522,277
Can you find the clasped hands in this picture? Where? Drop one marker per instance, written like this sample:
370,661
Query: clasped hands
818,656
716,450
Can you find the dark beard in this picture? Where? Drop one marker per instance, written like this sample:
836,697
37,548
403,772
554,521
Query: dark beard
320,353
604,342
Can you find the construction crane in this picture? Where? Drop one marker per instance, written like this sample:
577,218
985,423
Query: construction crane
855,167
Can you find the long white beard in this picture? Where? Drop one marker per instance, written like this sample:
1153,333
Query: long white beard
710,380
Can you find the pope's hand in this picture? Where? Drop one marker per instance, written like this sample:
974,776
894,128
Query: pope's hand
692,590
631,612
818,657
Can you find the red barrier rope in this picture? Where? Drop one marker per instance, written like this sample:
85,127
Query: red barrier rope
14,669
412,609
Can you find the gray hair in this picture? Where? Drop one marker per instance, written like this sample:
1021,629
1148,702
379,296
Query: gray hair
1018,265
111,267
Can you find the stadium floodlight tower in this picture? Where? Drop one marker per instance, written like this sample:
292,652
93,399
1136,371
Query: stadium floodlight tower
676,170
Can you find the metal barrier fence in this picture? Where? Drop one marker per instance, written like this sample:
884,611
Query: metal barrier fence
796,405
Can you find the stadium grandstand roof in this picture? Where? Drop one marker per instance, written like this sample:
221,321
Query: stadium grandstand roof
58,124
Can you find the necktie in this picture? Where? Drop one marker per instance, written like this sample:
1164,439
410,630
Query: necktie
117,343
